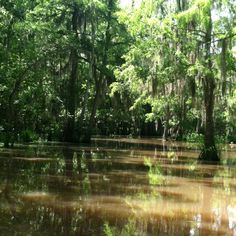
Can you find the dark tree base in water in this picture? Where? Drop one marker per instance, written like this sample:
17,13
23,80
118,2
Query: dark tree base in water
209,155
6,145
86,139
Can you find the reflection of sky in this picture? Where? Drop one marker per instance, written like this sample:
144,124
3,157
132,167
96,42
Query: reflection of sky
232,218
197,225
217,218
231,213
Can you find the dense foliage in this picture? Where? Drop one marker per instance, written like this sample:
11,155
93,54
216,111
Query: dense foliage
71,69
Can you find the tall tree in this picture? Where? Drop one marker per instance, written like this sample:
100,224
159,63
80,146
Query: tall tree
69,131
209,151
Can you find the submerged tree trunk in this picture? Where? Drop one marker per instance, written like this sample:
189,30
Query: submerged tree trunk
209,151
69,131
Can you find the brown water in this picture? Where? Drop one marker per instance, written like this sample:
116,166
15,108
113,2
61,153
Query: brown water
116,187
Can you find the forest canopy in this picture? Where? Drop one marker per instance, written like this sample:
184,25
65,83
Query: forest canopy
77,68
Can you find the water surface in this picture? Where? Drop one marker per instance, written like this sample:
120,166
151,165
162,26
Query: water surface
119,186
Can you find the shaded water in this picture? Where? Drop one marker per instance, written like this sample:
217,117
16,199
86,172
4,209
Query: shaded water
116,187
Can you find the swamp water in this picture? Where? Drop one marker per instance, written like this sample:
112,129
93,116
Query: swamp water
118,187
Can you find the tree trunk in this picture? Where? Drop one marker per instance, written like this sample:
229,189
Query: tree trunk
87,137
166,123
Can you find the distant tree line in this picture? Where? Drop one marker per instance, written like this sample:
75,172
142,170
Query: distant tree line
72,69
